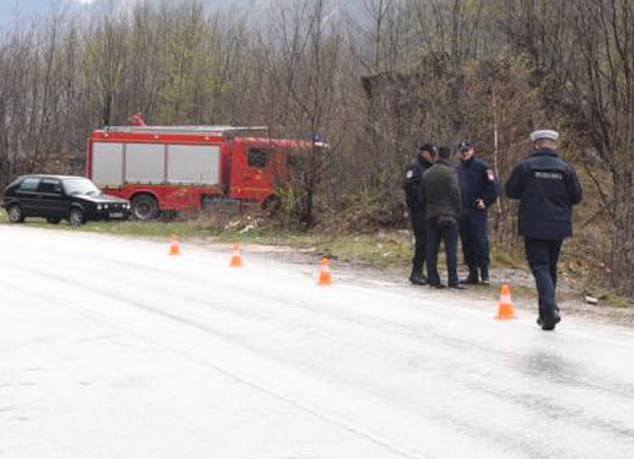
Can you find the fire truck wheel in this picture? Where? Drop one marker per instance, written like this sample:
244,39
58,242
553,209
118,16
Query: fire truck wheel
144,207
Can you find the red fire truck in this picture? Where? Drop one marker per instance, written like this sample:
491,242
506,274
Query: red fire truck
188,168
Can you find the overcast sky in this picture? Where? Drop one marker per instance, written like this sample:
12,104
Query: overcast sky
9,9
27,8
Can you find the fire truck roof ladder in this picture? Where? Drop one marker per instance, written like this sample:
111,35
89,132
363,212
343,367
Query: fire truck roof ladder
201,130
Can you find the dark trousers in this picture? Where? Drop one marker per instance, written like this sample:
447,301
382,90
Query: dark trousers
474,235
542,256
449,234
419,226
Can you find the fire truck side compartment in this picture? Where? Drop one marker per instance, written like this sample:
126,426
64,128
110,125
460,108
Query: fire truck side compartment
193,164
107,164
145,163
150,164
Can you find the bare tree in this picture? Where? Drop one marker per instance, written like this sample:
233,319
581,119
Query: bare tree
582,57
303,65
105,64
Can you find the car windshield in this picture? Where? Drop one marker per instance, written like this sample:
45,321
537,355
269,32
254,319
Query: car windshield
80,186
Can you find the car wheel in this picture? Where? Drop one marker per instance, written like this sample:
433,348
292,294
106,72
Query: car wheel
53,220
15,214
76,217
144,207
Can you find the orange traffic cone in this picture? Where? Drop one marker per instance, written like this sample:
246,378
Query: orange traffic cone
506,311
175,247
236,258
325,278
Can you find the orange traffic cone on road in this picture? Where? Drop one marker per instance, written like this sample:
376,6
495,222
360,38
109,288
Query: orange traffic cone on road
325,277
175,247
506,310
236,258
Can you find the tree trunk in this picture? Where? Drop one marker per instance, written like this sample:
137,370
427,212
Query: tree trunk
622,257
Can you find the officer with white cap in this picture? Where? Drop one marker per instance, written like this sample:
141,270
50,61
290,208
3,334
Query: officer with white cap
545,134
547,188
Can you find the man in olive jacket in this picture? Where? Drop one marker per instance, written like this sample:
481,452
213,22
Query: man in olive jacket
441,195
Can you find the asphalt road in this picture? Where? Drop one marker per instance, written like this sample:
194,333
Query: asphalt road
109,348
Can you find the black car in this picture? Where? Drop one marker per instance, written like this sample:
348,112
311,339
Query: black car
56,197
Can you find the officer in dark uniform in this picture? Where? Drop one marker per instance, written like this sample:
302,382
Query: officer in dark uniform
413,176
547,188
480,189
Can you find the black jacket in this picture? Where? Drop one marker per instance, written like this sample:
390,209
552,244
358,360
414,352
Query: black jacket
477,181
412,184
441,190
547,188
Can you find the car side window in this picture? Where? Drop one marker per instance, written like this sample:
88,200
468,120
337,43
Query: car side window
257,157
29,184
50,186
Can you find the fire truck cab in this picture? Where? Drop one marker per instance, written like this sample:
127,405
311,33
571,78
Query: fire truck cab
187,168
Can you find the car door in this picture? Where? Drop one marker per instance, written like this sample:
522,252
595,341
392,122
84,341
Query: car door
51,199
26,195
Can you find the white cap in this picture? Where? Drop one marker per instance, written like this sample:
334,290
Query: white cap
545,134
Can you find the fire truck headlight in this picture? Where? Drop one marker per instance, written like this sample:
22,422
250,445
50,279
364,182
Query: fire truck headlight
99,206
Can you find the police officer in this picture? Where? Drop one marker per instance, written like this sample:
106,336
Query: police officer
547,188
480,189
424,159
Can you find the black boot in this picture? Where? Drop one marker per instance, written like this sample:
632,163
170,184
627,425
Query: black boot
548,321
472,279
417,278
484,275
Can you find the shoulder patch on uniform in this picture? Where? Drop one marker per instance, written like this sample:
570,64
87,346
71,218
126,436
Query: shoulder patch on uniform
409,174
491,175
